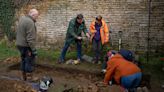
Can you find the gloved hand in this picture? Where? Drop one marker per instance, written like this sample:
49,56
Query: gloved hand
34,52
79,37
103,71
88,35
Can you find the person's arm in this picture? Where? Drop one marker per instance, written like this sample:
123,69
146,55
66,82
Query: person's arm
86,31
110,70
85,28
30,34
71,29
106,30
92,30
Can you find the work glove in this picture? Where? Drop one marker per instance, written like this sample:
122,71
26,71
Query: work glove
88,35
79,38
34,52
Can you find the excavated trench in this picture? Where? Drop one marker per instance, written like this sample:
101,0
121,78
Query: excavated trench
65,80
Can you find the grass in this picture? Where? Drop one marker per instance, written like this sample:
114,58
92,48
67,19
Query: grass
6,51
44,56
10,50
54,55
153,67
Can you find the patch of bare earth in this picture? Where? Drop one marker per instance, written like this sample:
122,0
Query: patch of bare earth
14,86
66,79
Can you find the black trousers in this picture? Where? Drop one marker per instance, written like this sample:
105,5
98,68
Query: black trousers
97,47
27,59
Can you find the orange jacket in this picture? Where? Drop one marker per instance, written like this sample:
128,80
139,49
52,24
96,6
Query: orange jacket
104,32
118,67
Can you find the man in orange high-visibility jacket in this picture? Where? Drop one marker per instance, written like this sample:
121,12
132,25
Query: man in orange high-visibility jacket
99,36
124,72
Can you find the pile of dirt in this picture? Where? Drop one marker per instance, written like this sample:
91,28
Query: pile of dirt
12,60
14,86
65,80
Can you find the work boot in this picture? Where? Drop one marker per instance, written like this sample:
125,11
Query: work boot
139,89
94,60
60,61
80,60
24,76
99,62
145,89
31,78
69,62
162,86
132,90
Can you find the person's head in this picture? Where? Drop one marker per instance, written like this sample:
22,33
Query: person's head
79,18
111,53
33,13
126,54
98,19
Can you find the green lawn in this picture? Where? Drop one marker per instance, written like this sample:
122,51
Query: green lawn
10,50
7,51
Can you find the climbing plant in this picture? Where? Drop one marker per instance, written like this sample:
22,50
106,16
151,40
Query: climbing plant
8,9
7,12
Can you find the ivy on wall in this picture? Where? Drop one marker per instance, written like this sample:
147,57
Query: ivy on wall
7,12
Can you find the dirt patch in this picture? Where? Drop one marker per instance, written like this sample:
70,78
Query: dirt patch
12,60
14,86
65,80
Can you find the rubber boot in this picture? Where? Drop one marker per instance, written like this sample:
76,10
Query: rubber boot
24,76
31,78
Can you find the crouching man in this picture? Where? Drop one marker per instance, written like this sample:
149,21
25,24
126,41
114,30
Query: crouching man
124,72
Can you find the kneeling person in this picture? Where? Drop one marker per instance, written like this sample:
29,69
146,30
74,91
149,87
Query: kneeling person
124,72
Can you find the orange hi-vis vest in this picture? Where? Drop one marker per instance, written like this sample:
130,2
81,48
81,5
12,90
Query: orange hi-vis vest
104,32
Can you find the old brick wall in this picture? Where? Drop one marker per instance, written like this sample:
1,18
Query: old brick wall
128,16
157,26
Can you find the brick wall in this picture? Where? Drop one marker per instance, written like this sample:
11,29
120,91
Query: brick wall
128,16
157,26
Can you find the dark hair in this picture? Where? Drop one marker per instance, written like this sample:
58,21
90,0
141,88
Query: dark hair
99,18
79,16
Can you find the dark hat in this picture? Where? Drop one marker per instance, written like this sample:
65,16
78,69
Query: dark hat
127,54
79,16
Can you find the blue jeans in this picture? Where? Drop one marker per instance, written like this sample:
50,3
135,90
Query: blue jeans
27,62
65,48
131,81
